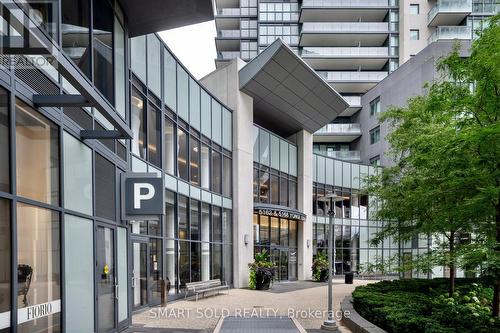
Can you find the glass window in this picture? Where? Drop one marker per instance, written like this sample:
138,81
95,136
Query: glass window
138,124
206,114
375,106
120,76
195,161
227,140
168,149
264,186
205,167
106,191
283,156
76,32
170,215
154,69
293,233
216,171
227,177
183,217
195,261
275,152
275,227
292,198
37,155
4,142
79,274
170,81
182,93
414,8
227,223
182,154
375,135
216,261
38,257
264,147
293,160
264,230
77,175
283,192
194,104
184,266
275,187
137,57
283,232
414,34
375,161
194,216
103,46
205,222
154,135
5,254
216,224
216,122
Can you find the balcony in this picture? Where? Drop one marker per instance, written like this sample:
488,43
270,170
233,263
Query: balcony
353,81
354,105
337,133
343,10
450,33
346,58
228,34
346,155
344,33
228,40
449,12
228,12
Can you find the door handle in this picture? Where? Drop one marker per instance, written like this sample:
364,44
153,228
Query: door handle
116,291
133,282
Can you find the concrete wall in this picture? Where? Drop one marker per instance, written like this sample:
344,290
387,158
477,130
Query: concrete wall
407,81
224,84
409,21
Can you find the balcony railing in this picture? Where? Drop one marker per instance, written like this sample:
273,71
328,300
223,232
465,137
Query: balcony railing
229,34
228,12
452,32
345,3
449,6
339,27
347,155
227,55
353,100
345,52
342,129
352,76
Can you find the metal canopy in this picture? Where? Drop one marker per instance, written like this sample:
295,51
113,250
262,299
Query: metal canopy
35,39
144,17
288,94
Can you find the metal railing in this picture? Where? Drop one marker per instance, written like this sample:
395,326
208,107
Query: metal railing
449,6
450,32
353,100
340,129
345,3
352,76
333,27
229,33
345,51
228,12
348,155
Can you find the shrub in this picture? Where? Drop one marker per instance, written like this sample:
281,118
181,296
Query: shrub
319,265
417,305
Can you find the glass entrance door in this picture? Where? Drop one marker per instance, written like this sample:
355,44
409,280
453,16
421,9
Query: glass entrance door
280,259
106,279
139,274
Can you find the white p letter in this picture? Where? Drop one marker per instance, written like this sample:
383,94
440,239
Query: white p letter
138,197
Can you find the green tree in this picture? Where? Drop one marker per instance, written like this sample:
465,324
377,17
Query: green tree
446,149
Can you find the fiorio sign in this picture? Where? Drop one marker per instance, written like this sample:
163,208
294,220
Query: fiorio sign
280,213
37,311
142,196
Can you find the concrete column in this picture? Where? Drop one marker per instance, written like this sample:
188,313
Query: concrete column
224,83
205,247
304,203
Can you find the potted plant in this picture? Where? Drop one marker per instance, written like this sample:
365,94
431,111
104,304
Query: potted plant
262,271
320,267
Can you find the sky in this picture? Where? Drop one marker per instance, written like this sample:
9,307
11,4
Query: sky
194,45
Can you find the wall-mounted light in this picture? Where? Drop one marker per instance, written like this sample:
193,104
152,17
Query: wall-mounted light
308,243
245,239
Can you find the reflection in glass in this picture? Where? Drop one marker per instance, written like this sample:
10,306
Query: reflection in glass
227,177
264,187
155,271
216,224
227,224
184,268
283,232
169,235
106,191
283,191
195,161
182,154
195,261
205,167
275,187
205,245
274,231
75,31
264,230
154,136
216,171
194,216
169,144
4,141
5,286
137,120
37,155
292,194
183,217
216,259
38,256
103,49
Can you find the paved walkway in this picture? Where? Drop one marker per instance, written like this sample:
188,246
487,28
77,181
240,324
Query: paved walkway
304,300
